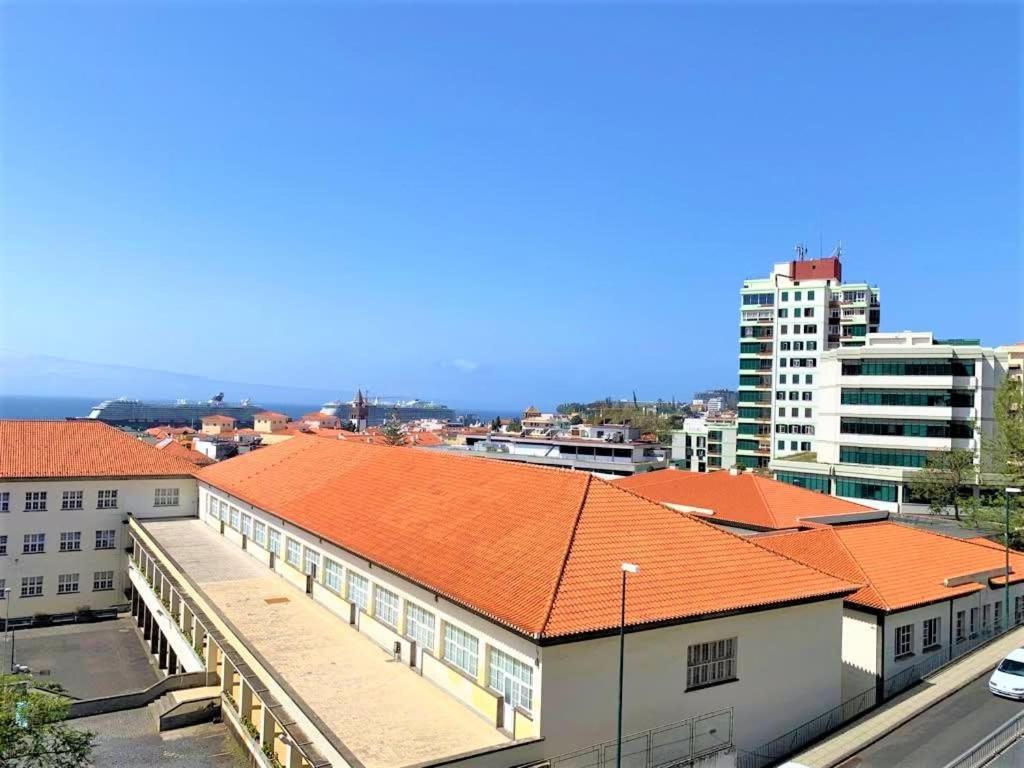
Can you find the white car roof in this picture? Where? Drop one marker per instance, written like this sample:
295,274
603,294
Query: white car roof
1017,654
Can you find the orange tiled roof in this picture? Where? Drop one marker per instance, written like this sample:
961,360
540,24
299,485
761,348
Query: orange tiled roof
272,415
900,566
173,448
536,549
164,431
746,499
38,449
218,418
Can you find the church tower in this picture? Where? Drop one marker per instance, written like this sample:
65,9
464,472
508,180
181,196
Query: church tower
359,412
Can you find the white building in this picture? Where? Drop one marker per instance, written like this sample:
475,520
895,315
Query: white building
885,407
787,321
705,444
66,491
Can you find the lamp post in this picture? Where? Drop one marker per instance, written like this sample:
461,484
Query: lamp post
1006,585
634,569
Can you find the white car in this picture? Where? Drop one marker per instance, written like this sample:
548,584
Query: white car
1008,678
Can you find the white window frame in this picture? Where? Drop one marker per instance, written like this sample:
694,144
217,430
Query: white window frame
35,501
235,520
357,590
31,586
274,541
931,631
420,625
259,532
997,613
72,500
5,501
103,536
712,662
333,574
67,583
293,552
33,544
71,541
310,557
3,544
903,641
247,525
166,497
386,606
512,678
461,649
223,511
106,498
102,581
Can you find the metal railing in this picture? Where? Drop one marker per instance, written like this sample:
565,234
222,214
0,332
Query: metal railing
668,746
982,752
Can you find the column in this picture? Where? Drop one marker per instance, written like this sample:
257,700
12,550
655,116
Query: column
172,661
267,725
294,757
145,623
212,651
161,649
245,700
154,634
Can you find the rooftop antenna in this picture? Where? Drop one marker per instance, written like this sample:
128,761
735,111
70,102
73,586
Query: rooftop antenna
838,252
801,251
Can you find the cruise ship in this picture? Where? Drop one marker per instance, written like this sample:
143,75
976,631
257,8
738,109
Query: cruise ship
378,410
183,413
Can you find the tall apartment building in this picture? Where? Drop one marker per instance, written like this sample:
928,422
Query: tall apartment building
705,444
787,321
886,406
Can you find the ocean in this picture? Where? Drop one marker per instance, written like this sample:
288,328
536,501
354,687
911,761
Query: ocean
30,407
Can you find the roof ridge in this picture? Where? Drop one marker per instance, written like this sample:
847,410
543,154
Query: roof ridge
780,534
568,552
767,506
856,564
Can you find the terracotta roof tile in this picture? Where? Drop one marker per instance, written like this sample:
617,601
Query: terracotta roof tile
536,549
172,447
745,498
274,415
901,566
83,448
218,418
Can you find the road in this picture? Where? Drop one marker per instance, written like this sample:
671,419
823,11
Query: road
940,734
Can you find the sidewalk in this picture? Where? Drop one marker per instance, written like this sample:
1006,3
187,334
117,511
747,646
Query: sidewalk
946,681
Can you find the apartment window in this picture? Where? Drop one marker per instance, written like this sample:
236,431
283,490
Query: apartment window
961,630
904,640
780,395
811,346
785,295
782,362
71,500
274,541
807,413
5,501
31,586
783,312
798,346
460,649
805,446
3,589
797,312
784,329
974,622
782,413
997,615
793,445
809,312
810,295
1018,609
235,520
808,378
782,445
358,590
310,561
33,543
35,501
293,553
859,489
165,497
930,633
106,499
805,396
71,541
794,395
710,663
259,533
797,295
332,575
986,617
511,678
211,507
784,346
385,606
67,583
224,511
105,539
810,329
102,581
3,544
419,625
247,526
794,412
782,378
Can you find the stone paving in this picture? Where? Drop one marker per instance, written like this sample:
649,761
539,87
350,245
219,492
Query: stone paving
850,740
382,711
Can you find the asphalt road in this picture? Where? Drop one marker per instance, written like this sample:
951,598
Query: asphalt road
942,733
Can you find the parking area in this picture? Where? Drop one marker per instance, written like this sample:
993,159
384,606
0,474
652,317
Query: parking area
89,660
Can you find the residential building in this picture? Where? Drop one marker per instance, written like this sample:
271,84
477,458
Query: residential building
925,599
270,421
318,419
885,407
1015,361
173,447
314,558
705,444
66,490
550,423
746,503
217,424
787,321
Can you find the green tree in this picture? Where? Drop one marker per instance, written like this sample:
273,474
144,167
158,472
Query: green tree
33,728
496,424
1005,450
944,478
575,419
515,425
392,431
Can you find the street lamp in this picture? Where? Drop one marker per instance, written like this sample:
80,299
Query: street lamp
1006,586
634,569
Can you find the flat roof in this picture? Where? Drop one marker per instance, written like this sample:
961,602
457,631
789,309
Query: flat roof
381,711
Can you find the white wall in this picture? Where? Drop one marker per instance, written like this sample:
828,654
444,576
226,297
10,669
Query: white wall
862,651
789,671
134,496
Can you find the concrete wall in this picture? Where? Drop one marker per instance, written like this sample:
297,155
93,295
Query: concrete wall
789,671
134,496
862,651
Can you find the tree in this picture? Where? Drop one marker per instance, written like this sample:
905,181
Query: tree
943,478
515,425
575,419
496,425
1006,447
392,431
33,731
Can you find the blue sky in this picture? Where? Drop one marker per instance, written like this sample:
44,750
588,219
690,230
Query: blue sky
493,204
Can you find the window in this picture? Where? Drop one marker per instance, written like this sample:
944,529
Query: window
798,346
961,630
818,483
293,553
997,615
71,541
882,457
943,398
797,312
782,378
805,446
105,539
930,633
810,295
274,541
908,367
332,574
809,312
782,412
784,346
784,329
31,586
986,617
780,395
860,489
385,606
5,501
358,590
34,543
785,295
71,500
310,561
808,378
794,412
904,640
106,499
811,328
102,581
811,345
797,295
419,625
235,521
710,663
761,299
35,501
974,622
783,312
259,533
67,583
211,507
782,445
793,445
224,511
1018,609
805,396
165,497
3,544
460,649
3,589
247,526
511,678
